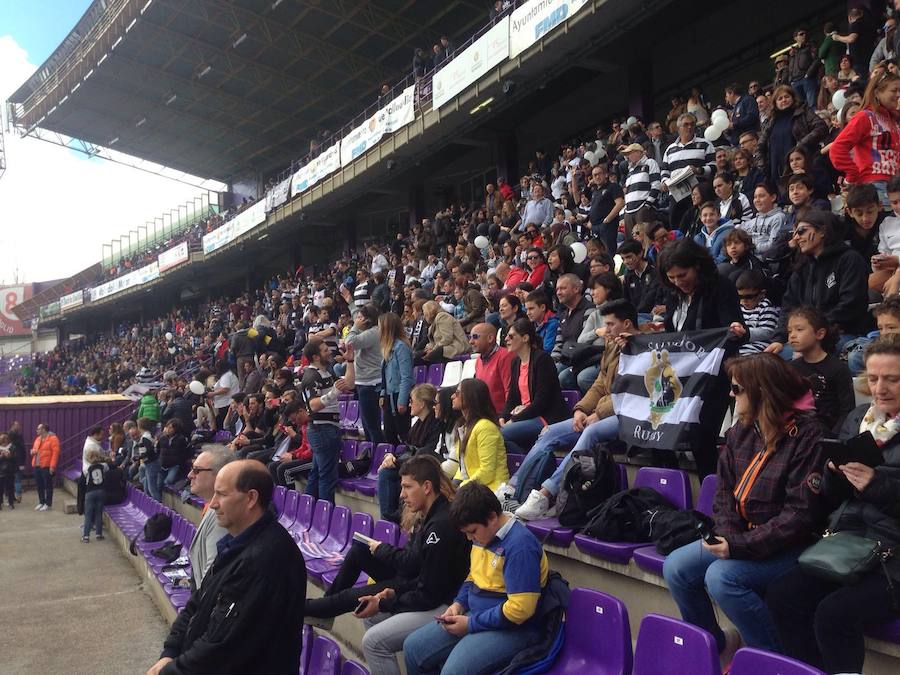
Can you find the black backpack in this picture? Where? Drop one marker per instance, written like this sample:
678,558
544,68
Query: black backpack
589,481
157,528
626,516
673,529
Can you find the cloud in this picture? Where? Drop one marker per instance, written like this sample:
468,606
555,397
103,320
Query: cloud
57,207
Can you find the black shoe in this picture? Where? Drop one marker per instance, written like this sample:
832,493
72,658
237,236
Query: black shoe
100,537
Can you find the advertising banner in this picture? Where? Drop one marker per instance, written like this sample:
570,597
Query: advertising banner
234,228
326,163
46,311
533,20
71,300
173,257
395,115
472,63
278,194
11,297
126,281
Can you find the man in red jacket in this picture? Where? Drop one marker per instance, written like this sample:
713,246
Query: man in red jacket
492,365
45,455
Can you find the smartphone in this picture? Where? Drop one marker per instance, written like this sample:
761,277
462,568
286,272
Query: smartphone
361,606
707,535
441,619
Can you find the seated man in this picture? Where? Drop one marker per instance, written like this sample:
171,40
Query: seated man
495,613
246,617
592,423
412,583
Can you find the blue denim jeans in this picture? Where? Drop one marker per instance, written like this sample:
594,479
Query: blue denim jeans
521,434
431,649
325,442
602,430
807,88
587,377
18,484
168,476
370,412
737,586
388,491
152,485
93,512
559,436
567,378
44,482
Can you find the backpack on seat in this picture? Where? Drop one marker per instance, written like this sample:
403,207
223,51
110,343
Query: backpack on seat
157,528
590,479
626,516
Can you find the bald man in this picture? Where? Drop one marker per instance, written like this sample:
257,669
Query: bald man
493,364
248,615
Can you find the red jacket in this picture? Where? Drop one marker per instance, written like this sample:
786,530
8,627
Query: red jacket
868,149
495,373
45,452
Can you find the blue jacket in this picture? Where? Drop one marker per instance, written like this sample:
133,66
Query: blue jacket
397,373
715,242
745,116
547,331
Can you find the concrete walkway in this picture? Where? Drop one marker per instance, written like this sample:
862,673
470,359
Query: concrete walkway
69,607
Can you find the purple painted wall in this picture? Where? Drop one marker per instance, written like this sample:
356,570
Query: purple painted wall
69,421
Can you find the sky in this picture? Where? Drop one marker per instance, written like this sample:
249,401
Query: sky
57,207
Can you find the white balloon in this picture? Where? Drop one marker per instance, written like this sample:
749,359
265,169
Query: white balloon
168,337
580,251
839,99
712,133
631,120
591,157
481,241
721,124
719,114
197,388
172,349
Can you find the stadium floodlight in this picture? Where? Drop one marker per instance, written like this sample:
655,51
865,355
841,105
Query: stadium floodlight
239,40
206,70
114,141
171,99
141,122
276,3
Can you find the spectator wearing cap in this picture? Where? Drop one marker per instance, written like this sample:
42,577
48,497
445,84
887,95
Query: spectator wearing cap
781,70
687,150
642,184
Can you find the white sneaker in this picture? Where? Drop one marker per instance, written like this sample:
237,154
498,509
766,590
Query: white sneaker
44,507
535,507
39,507
504,492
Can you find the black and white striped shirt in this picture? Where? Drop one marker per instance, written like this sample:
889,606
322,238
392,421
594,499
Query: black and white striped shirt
641,185
361,294
697,152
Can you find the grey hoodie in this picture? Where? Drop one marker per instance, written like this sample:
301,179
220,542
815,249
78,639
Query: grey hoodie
367,362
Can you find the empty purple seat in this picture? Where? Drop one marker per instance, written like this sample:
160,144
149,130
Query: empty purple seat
335,538
667,645
290,509
420,374
279,494
435,374
383,531
750,661
72,474
348,450
321,519
352,414
354,668
673,484
315,568
592,614
306,639
571,397
648,558
368,485
325,657
513,462
303,519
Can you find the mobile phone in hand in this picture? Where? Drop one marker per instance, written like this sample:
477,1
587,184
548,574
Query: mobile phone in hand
441,619
707,535
361,606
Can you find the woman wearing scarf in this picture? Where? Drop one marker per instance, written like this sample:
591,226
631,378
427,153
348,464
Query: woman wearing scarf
765,509
821,622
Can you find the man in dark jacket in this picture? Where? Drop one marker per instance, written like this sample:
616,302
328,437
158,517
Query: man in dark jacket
744,112
247,616
18,447
179,408
413,583
803,67
574,308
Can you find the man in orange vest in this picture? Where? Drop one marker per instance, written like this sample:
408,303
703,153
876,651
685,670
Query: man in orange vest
45,455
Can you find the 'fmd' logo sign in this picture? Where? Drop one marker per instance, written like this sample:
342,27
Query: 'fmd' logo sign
547,24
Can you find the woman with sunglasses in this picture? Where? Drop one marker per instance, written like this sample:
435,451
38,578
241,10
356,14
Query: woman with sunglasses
868,149
537,266
535,398
833,278
765,509
482,455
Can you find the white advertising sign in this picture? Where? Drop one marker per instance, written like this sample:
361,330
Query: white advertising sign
278,194
310,174
533,20
395,115
472,63
234,228
136,278
173,257
71,300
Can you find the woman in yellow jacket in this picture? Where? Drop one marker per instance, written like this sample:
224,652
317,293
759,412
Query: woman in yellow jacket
481,449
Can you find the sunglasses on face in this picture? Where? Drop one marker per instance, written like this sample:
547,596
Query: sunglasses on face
198,470
474,336
534,257
737,389
800,231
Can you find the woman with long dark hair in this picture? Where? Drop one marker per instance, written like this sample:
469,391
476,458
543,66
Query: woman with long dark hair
766,506
534,399
482,455
396,377
791,123
690,224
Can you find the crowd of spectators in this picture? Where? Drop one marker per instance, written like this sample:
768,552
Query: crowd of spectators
763,215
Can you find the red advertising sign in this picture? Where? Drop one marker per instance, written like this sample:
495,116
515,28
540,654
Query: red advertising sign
10,296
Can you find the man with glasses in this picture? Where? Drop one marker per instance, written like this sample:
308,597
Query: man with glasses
803,65
656,143
202,477
691,150
607,202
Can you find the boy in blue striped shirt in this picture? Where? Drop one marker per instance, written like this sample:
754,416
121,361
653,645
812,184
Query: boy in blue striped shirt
493,616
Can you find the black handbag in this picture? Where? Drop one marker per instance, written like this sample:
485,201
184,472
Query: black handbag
843,558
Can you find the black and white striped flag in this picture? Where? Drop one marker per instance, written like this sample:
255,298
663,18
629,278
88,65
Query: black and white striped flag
661,385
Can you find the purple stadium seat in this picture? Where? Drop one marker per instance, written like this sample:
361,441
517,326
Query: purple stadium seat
368,484
352,414
667,645
383,531
592,614
306,639
889,631
673,484
402,538
315,568
318,530
362,448
342,414
278,497
303,519
648,558
435,374
513,462
420,373
335,538
222,436
348,449
571,397
750,661
354,668
290,509
325,657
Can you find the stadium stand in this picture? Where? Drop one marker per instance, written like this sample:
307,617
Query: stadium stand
760,217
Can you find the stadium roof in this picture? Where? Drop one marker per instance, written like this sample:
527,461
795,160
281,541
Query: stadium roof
219,89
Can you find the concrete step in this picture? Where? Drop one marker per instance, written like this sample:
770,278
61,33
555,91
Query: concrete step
70,506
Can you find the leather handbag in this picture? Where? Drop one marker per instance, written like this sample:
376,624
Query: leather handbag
843,558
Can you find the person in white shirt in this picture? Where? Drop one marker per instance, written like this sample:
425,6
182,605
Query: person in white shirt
379,262
92,444
226,386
